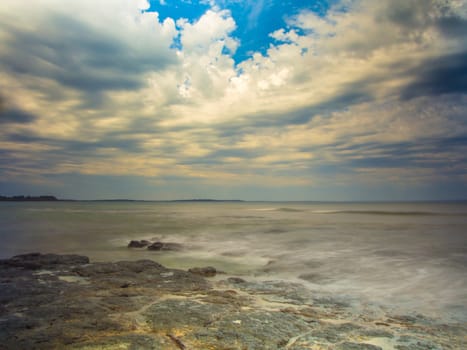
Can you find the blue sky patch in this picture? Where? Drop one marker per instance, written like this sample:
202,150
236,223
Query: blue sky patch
255,20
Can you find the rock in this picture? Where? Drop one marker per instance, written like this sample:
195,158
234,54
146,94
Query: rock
207,271
357,346
414,343
144,305
214,326
334,333
377,333
253,329
43,310
156,246
225,297
137,274
126,341
35,261
168,315
163,246
121,268
138,244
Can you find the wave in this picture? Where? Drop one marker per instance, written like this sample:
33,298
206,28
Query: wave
264,209
289,209
278,209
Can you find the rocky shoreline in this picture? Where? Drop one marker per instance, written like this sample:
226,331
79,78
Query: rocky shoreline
50,301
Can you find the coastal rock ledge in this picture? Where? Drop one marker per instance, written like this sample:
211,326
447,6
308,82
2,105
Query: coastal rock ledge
50,301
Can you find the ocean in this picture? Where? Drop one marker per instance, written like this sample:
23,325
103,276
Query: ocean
406,257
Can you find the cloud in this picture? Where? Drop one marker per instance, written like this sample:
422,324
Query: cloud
444,75
449,17
15,116
255,11
211,28
366,90
74,54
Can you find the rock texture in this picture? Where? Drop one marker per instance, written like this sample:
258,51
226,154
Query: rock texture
164,246
138,244
155,245
64,302
207,271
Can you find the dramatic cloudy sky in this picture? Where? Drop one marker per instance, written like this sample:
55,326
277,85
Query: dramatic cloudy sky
265,99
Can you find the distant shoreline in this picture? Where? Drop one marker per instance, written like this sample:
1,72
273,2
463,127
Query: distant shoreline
155,200
55,199
28,199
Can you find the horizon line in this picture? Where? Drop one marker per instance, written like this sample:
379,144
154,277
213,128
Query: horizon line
207,200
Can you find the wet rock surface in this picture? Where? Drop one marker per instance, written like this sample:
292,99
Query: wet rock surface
52,301
207,271
155,245
35,261
164,246
138,244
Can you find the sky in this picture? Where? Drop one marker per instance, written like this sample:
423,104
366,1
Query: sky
257,100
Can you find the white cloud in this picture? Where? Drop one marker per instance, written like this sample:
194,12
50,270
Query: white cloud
212,27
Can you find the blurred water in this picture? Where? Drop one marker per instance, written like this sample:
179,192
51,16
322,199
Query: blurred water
412,256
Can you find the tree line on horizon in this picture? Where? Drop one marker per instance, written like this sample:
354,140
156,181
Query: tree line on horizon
27,198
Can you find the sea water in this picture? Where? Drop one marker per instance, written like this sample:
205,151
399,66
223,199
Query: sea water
410,257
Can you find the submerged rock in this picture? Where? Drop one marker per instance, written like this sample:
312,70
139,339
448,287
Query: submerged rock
207,271
158,246
138,244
